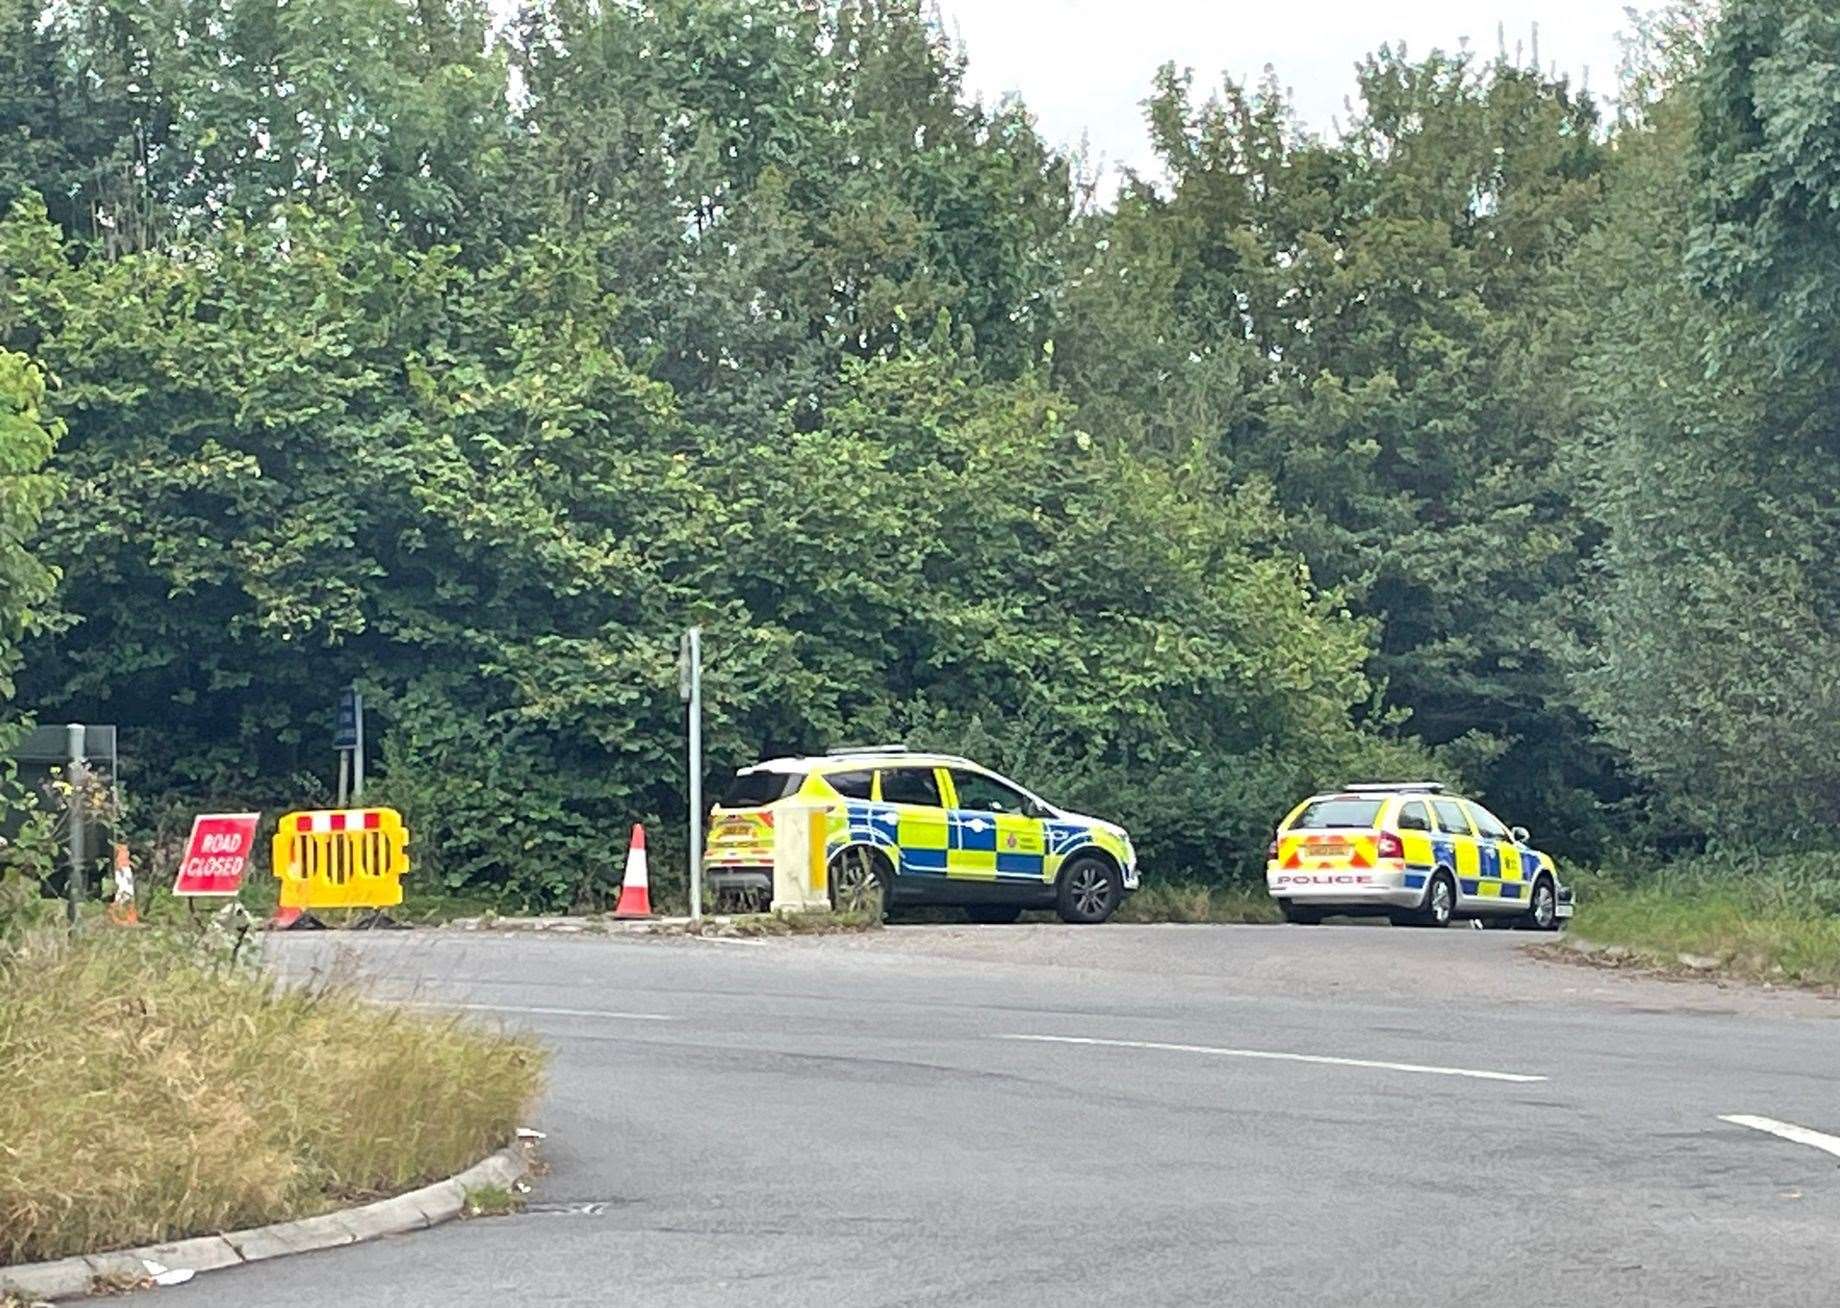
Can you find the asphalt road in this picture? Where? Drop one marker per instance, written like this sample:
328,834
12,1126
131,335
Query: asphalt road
917,1118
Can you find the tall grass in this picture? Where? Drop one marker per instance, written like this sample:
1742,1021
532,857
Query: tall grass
148,1092
1763,918
1165,901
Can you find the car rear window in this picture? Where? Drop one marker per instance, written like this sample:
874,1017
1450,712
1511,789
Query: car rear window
752,789
1340,812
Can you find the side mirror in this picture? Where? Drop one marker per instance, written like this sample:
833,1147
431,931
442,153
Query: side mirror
1520,835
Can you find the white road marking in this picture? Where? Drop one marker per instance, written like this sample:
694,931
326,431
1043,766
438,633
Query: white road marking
1788,1131
541,1012
729,940
1323,1059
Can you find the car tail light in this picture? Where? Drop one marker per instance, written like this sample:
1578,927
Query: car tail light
1391,846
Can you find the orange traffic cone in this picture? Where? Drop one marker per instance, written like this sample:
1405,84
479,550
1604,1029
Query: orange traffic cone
636,889
122,911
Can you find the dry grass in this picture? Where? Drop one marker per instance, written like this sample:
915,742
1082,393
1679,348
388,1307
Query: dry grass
1163,901
148,1092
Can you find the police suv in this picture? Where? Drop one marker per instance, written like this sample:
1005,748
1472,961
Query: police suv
909,828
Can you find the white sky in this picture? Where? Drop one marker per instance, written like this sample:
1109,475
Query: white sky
1084,66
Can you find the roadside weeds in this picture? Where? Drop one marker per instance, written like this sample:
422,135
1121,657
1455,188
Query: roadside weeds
1166,901
150,1091
1706,929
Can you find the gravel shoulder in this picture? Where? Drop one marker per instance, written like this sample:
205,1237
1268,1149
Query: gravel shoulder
1372,962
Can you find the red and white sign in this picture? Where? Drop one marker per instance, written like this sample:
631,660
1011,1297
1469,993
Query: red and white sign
217,854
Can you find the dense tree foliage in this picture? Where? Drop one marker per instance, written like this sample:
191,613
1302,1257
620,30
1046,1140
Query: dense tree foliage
471,363
26,488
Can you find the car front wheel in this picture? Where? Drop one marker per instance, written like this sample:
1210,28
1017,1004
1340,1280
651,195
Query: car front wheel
1543,908
859,883
1088,891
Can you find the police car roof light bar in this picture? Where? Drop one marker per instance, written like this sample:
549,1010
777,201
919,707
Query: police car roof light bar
1389,787
866,749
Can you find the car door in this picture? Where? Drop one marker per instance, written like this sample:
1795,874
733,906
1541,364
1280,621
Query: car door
1417,842
994,833
912,796
1501,857
1456,848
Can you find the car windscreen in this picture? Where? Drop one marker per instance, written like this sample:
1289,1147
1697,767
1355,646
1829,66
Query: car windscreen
1338,812
752,789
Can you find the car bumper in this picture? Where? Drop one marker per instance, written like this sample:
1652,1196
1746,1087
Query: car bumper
1352,889
725,879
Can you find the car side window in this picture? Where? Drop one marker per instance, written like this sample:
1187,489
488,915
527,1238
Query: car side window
852,785
1412,817
1487,823
986,794
910,786
1450,817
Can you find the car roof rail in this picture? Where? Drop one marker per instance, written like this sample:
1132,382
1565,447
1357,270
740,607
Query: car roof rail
1392,787
836,750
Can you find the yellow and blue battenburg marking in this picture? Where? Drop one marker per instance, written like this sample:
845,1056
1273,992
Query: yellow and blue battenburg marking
964,844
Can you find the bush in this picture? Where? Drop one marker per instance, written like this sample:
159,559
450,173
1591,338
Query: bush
150,1092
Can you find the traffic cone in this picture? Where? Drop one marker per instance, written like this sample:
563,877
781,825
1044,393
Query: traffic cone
636,889
122,911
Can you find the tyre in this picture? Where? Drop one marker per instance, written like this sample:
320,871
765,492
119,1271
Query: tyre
1299,916
1543,909
859,882
1440,904
1088,891
993,914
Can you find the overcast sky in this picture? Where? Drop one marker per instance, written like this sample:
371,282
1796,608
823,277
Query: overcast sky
1084,66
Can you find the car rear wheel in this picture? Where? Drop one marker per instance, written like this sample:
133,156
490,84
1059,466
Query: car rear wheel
1543,909
859,882
1439,907
1088,891
993,914
1299,916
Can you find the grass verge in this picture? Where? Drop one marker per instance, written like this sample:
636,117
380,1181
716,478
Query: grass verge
149,1091
1164,901
1758,922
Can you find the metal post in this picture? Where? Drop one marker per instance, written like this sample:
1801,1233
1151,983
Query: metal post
357,752
344,775
693,692
75,775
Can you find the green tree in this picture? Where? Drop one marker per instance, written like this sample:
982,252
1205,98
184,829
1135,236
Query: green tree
1371,328
1709,631
27,436
1767,160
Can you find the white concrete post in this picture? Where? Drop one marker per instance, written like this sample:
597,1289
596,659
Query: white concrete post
801,832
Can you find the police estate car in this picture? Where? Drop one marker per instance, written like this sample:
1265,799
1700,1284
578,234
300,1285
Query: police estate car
1414,854
908,828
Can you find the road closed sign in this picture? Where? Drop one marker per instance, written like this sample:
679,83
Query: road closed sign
217,855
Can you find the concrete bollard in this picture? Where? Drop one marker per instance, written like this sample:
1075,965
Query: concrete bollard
801,836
